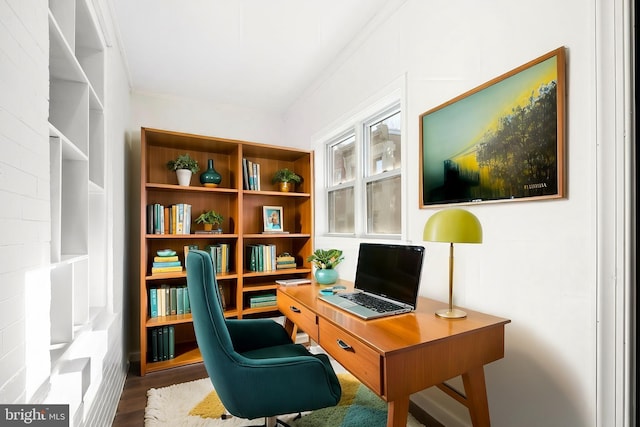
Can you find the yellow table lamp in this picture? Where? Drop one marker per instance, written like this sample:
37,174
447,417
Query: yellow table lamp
452,226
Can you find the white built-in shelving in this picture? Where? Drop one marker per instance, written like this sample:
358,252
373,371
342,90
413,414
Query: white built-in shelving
77,184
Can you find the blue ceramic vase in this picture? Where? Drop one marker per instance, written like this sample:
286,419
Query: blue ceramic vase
210,177
326,276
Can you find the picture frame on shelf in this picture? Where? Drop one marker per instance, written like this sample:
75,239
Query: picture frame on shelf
272,219
502,141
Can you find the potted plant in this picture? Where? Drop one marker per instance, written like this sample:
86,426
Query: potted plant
184,166
325,262
211,219
286,179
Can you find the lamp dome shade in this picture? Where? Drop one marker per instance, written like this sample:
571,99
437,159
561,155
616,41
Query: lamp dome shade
453,226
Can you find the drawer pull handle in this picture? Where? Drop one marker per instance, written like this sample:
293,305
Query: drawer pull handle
343,345
294,309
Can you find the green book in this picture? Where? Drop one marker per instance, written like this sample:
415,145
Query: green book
180,298
172,342
174,301
154,345
160,343
165,343
187,304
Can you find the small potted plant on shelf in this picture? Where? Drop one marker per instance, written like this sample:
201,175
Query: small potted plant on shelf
325,262
212,221
184,166
286,179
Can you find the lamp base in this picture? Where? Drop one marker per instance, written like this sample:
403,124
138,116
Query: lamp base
454,313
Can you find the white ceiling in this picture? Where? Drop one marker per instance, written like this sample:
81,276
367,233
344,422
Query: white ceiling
258,54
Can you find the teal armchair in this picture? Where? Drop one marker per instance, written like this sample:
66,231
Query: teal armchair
255,368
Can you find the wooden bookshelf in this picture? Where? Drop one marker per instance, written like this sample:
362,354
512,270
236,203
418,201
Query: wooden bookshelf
243,225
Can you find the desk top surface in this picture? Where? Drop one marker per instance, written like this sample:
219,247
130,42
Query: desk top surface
394,333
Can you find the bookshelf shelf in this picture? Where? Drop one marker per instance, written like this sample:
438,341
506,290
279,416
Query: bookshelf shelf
243,225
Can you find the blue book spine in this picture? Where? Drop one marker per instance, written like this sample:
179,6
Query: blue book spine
166,264
153,302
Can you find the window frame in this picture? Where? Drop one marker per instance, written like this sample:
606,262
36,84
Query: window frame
358,128
368,177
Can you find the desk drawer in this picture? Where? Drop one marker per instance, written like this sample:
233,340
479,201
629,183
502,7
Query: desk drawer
359,359
304,318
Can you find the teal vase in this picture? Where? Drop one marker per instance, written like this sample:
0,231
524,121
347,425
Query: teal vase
210,177
326,276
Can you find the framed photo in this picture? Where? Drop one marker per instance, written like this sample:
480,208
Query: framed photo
503,140
272,219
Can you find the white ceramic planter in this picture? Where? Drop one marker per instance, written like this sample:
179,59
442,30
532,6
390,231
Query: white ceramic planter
184,177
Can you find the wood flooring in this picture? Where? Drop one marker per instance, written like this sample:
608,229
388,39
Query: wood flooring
130,411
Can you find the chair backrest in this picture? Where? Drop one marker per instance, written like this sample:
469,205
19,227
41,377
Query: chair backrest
214,341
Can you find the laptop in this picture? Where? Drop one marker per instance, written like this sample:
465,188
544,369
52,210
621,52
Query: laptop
387,281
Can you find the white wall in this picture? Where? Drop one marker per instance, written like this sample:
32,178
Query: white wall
537,264
24,187
25,226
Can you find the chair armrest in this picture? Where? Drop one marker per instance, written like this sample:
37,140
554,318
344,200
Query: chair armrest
252,334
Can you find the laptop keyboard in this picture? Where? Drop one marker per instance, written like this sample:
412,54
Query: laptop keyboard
372,303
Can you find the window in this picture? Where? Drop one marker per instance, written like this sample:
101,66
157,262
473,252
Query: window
341,200
364,177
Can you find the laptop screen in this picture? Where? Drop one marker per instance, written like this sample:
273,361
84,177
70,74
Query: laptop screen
388,270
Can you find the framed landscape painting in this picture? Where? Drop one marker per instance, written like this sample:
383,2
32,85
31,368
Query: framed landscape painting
503,140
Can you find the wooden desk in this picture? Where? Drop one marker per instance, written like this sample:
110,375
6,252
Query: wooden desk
400,355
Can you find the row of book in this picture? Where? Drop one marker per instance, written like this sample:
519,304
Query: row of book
262,300
261,257
163,343
250,175
167,300
220,253
172,219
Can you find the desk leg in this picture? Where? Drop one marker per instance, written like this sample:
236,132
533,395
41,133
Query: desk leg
476,391
291,328
397,412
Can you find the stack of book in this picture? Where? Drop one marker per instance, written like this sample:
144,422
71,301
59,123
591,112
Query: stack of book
166,262
285,261
163,343
167,300
263,300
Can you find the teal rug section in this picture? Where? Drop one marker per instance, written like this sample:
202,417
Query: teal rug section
367,409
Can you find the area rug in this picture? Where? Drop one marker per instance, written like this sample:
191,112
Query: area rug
196,404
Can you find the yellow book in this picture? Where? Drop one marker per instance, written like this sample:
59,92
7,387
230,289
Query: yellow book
166,269
165,258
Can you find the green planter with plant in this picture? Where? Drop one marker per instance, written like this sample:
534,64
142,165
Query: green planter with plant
184,166
325,261
212,220
286,179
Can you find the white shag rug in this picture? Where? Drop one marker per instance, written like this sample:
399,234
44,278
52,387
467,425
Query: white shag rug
170,406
